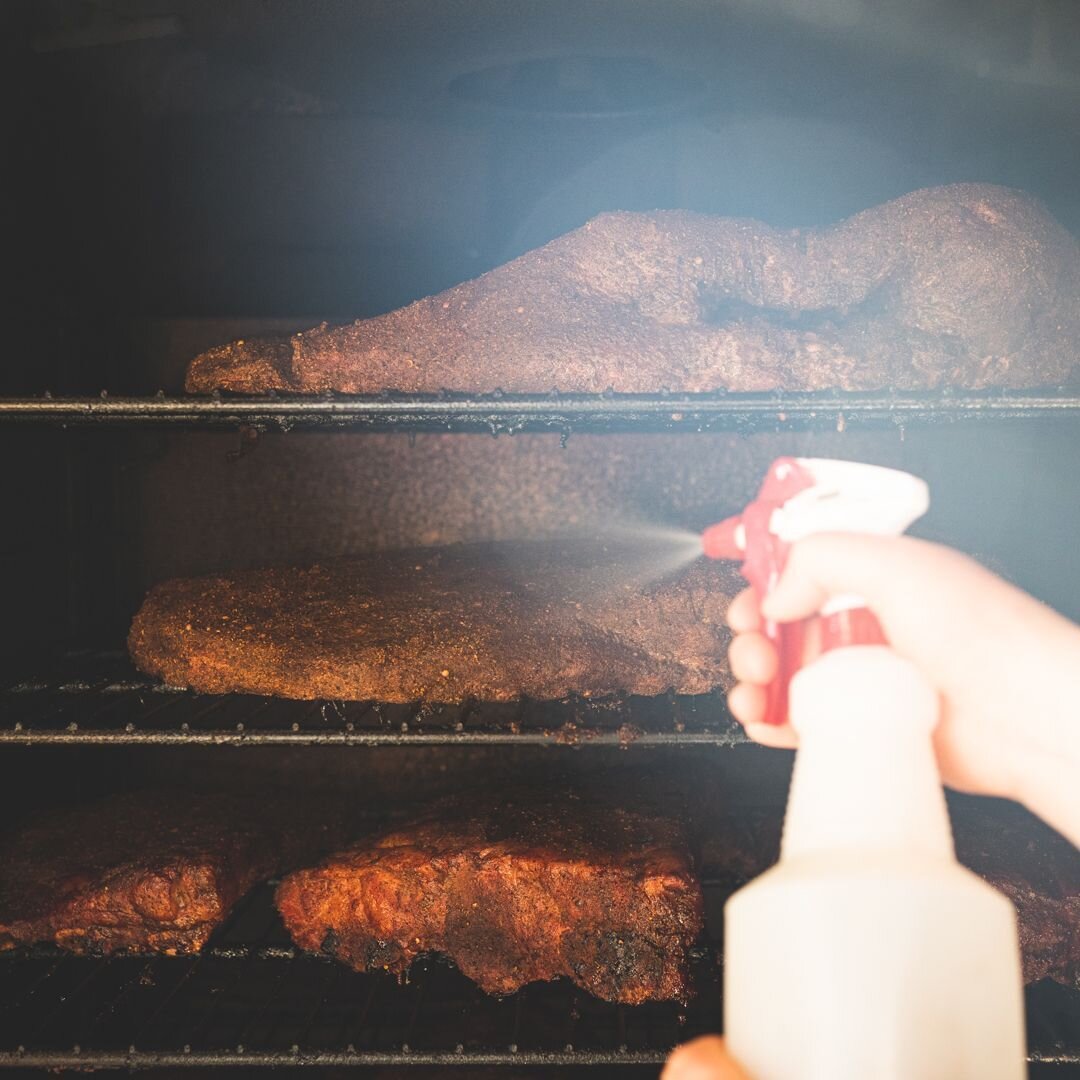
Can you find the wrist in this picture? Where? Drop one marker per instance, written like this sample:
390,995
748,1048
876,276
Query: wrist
1049,730
1049,790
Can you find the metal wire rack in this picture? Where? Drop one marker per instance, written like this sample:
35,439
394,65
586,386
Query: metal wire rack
508,413
251,999
95,698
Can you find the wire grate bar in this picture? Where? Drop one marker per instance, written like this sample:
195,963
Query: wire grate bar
127,709
61,1009
131,976
21,993
314,1028
134,1059
508,413
257,1007
115,1023
258,1027
181,973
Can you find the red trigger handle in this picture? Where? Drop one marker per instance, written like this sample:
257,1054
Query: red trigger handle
764,556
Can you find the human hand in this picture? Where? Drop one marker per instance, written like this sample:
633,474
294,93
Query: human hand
702,1059
1007,667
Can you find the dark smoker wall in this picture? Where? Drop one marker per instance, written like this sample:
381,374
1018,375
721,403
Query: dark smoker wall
321,159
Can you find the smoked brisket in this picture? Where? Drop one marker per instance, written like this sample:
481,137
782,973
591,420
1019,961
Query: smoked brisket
146,872
968,285
513,891
489,621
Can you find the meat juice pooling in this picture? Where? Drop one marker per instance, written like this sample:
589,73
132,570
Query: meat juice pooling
867,952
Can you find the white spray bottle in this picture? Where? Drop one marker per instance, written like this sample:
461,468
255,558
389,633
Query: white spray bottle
867,952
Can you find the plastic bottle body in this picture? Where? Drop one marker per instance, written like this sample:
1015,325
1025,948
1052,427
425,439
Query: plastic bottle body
848,969
868,951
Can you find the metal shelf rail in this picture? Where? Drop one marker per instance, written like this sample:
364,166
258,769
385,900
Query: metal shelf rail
509,413
100,699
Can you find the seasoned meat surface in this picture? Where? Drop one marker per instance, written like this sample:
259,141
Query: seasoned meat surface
145,871
490,621
513,891
968,285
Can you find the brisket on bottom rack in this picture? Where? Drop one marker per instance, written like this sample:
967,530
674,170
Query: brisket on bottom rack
147,871
513,892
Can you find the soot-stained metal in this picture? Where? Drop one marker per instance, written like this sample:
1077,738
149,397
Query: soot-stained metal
111,704
509,414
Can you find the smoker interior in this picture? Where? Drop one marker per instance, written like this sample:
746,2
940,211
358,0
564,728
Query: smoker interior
251,999
193,172
78,721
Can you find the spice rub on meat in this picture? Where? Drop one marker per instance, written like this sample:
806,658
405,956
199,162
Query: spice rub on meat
968,285
490,621
146,872
513,891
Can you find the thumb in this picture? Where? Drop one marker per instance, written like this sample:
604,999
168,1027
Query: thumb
834,564
702,1059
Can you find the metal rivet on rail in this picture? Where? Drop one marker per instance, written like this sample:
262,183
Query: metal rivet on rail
129,727
569,1048
18,725
459,1049
296,727
240,726
350,726
512,1048
185,727
187,1048
73,726
406,1049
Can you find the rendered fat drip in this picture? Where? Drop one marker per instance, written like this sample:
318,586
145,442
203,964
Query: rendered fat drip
867,950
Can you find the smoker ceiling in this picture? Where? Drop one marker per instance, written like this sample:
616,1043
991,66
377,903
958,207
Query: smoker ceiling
322,53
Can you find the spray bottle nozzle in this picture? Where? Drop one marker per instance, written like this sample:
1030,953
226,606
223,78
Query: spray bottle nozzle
800,497
725,540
